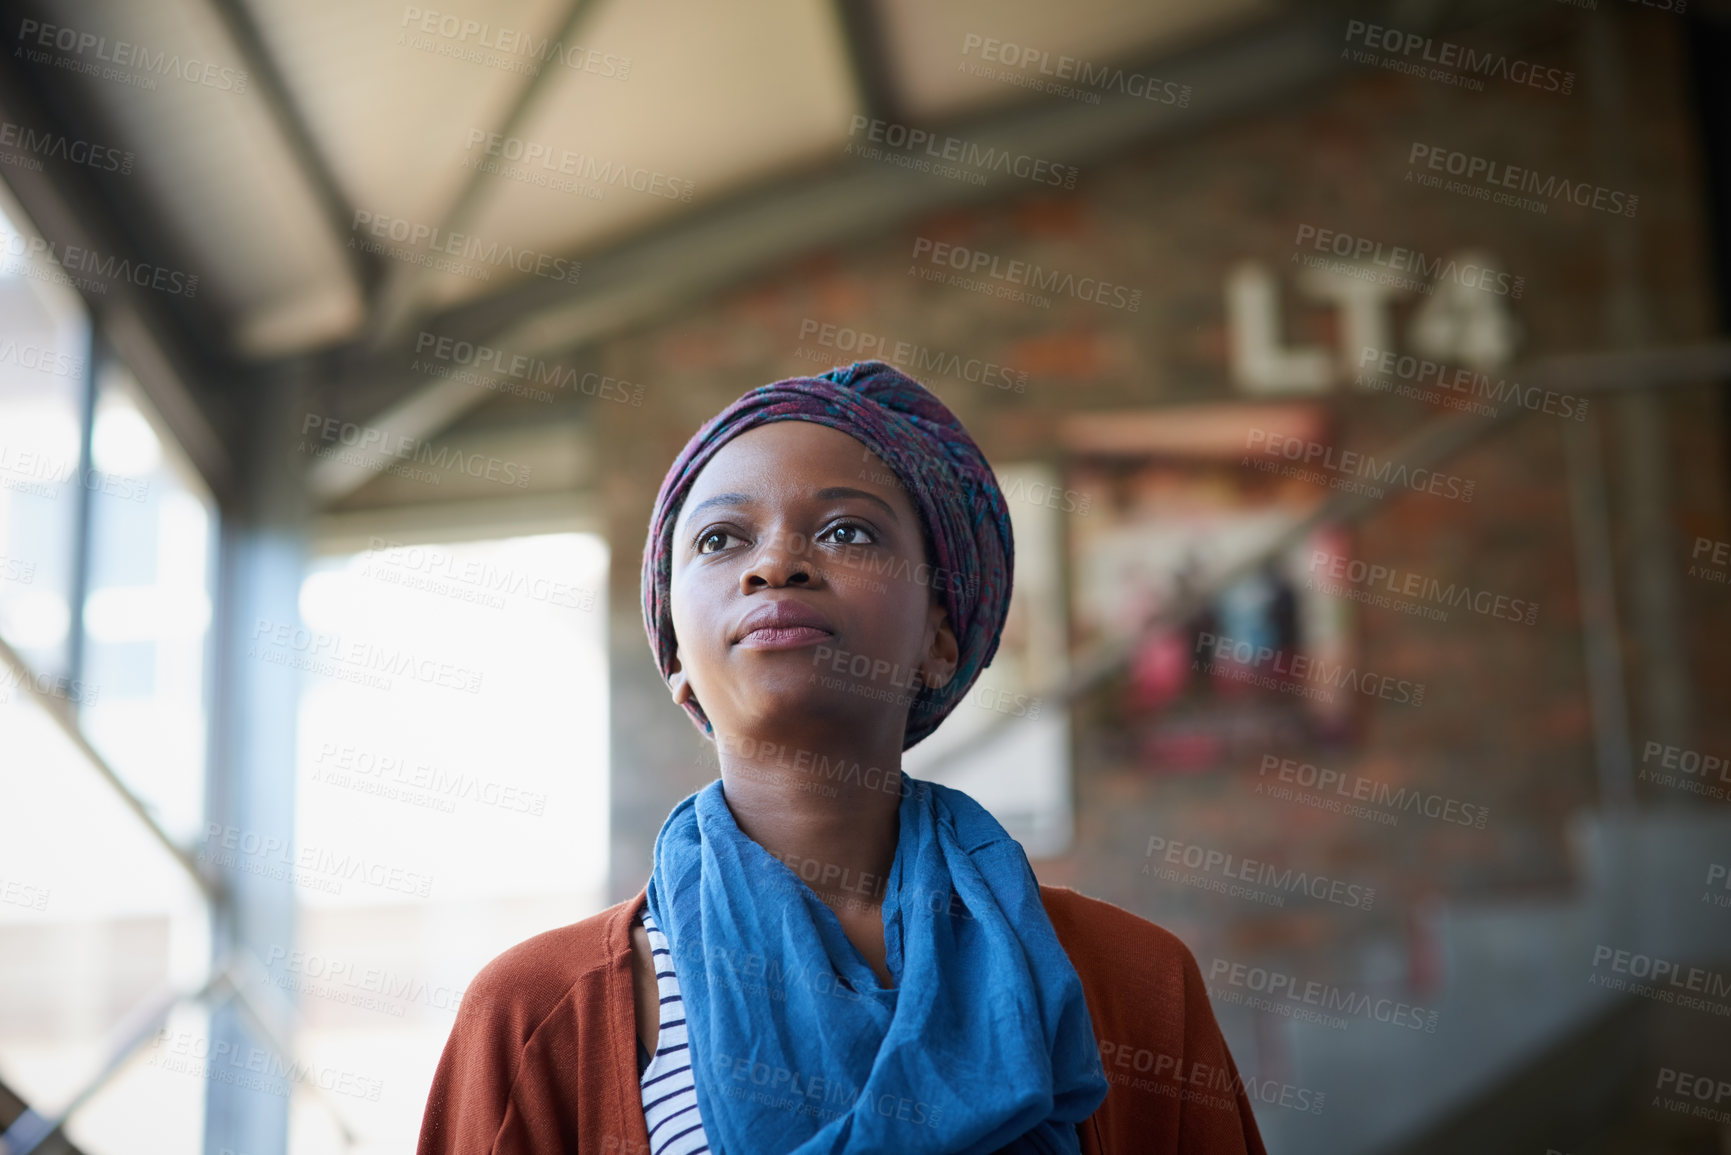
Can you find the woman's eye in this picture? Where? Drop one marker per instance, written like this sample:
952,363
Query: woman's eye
716,535
848,533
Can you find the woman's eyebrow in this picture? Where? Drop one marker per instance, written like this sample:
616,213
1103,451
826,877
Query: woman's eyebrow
827,494
835,491
718,499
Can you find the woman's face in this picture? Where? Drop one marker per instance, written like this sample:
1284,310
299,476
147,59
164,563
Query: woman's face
800,523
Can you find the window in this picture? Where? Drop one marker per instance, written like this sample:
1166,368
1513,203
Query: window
105,536
44,358
147,611
452,795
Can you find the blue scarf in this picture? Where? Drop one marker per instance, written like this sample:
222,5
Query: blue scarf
984,1043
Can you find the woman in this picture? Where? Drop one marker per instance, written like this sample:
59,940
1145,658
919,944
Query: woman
830,956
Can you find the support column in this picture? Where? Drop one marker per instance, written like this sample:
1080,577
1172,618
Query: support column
1654,548
252,778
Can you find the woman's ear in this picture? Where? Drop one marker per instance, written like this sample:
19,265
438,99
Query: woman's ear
678,683
939,664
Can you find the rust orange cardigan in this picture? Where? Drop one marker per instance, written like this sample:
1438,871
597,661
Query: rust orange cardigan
543,1054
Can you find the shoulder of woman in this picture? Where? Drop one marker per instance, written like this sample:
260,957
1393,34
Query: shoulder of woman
1107,942
496,1072
1152,1019
524,984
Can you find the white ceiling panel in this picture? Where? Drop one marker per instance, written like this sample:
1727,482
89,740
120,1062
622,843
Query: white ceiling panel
218,177
388,90
713,97
963,55
645,111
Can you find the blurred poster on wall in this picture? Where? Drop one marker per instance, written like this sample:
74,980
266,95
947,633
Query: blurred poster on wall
1173,504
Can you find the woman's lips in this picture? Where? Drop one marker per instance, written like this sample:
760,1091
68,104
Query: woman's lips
783,624
783,637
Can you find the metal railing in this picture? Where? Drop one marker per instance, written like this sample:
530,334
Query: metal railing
235,980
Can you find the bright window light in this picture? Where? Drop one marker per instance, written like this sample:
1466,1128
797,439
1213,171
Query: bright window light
452,792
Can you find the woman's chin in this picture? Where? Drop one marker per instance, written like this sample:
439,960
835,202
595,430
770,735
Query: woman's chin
796,703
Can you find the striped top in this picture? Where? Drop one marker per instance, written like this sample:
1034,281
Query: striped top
669,1092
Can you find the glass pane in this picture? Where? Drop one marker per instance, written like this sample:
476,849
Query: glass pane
452,795
159,1092
44,346
96,919
148,610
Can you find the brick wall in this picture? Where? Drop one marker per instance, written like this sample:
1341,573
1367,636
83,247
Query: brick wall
1506,723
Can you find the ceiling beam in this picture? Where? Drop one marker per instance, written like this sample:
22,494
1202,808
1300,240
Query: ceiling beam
66,209
862,28
272,90
398,297
695,255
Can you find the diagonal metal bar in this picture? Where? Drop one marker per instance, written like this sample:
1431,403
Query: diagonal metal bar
1435,442
279,102
236,978
248,974
31,1130
66,206
61,712
400,293
862,28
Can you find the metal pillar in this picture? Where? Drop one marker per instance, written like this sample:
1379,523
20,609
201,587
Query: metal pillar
252,780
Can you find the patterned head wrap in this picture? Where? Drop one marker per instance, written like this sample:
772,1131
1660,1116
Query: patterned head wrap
966,522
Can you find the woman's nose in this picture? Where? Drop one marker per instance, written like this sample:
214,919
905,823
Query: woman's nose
784,559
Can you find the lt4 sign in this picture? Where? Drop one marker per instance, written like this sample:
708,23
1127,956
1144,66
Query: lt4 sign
1464,319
